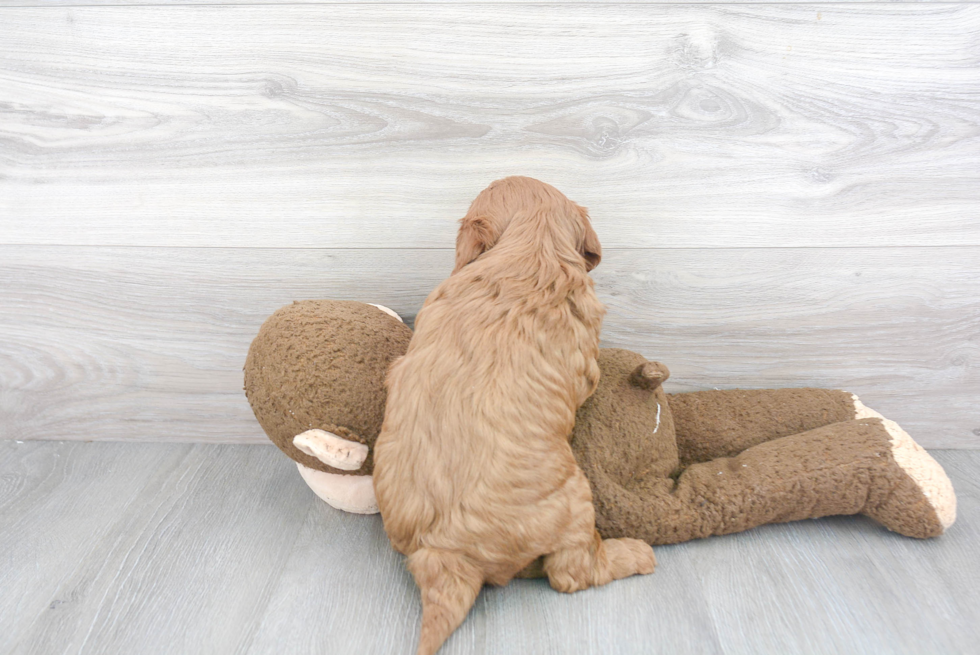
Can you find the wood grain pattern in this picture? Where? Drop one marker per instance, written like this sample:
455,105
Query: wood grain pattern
172,3
375,125
107,555
56,500
167,548
148,343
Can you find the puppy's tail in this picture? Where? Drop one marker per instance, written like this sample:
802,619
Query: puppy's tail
449,586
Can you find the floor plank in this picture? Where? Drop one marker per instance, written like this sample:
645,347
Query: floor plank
185,565
165,548
361,125
59,504
172,3
149,343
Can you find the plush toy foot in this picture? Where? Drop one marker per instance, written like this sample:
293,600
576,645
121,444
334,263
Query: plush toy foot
921,502
925,485
350,493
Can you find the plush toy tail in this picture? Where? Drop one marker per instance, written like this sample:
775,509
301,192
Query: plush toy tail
449,586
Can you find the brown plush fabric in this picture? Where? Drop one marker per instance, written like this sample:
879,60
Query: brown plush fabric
322,364
714,424
641,487
739,458
842,468
614,440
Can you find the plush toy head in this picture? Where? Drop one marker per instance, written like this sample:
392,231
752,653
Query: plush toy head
321,364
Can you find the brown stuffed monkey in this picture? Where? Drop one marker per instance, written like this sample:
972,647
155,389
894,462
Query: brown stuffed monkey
663,468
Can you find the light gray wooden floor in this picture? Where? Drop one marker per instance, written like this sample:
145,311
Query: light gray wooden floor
198,548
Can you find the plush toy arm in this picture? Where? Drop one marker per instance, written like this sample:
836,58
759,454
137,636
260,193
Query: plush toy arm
869,466
712,424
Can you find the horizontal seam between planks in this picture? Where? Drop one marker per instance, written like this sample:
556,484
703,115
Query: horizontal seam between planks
451,249
711,3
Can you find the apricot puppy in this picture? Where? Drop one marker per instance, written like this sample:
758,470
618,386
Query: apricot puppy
474,475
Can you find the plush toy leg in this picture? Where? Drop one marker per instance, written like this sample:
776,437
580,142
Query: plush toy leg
712,424
868,466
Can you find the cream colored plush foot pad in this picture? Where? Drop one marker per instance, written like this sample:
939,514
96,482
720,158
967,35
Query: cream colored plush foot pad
925,471
863,411
918,465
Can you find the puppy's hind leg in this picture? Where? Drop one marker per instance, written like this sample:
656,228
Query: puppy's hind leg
449,585
583,559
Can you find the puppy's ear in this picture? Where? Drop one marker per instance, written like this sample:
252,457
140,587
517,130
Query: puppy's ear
476,236
591,248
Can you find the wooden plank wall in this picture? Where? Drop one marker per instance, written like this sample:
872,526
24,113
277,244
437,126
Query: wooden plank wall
787,194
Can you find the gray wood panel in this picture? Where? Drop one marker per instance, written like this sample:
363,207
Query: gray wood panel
148,343
374,125
172,3
172,548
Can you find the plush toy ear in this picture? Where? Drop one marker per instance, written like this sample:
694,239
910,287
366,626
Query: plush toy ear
650,375
476,235
331,449
591,248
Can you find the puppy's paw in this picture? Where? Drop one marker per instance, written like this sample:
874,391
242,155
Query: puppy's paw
564,582
645,560
630,557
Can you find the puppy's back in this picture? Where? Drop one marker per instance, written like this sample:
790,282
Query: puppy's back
473,473
479,411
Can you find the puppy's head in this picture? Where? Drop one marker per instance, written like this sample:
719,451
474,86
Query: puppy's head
513,200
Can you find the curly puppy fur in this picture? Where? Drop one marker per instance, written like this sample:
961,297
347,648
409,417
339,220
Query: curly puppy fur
474,475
